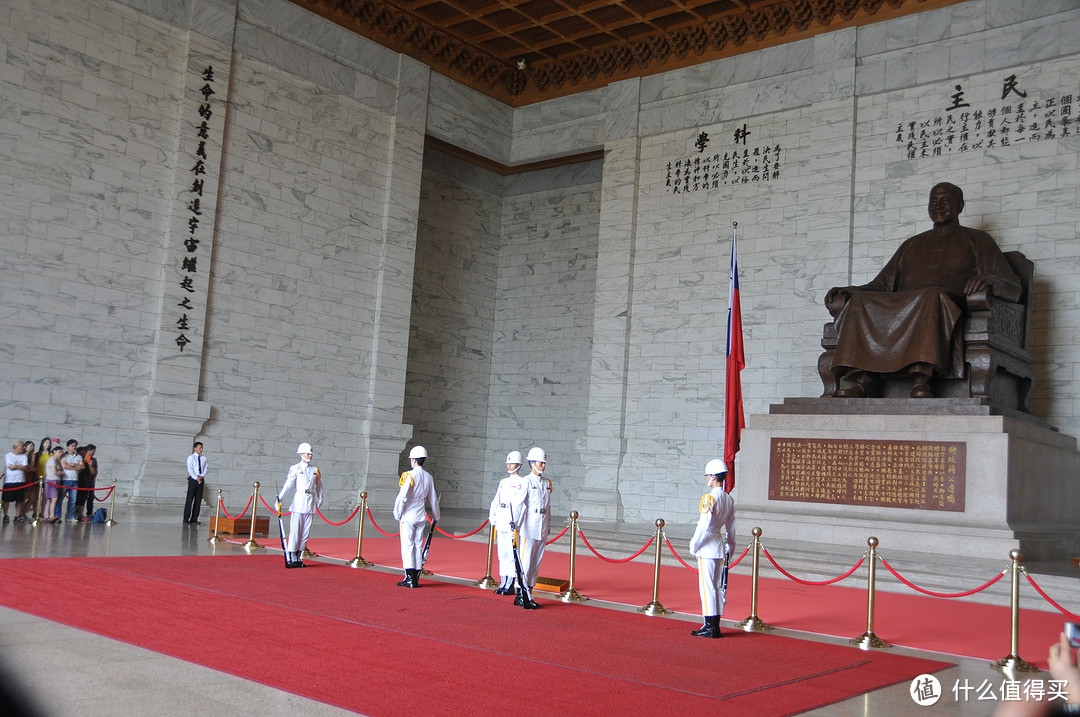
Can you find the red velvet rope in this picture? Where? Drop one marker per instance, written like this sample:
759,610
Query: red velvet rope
1063,611
684,564
940,595
342,522
613,560
372,519
812,582
558,536
739,559
466,535
271,508
234,517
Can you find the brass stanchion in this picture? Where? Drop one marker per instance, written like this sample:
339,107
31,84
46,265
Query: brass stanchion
215,538
358,561
110,522
487,582
1013,661
251,545
753,622
868,639
37,509
570,594
653,607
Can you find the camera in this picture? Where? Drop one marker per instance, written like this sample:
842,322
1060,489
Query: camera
1072,631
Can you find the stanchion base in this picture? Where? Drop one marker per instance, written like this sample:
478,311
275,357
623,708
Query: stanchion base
572,595
425,571
487,583
1014,663
358,562
753,624
214,540
868,640
251,546
308,554
654,608
110,523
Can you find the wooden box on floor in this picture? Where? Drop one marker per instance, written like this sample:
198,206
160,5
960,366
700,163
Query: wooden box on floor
240,526
552,585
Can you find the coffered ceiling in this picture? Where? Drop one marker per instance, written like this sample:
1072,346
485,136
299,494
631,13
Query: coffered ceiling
524,51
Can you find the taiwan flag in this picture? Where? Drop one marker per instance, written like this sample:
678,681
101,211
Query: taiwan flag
734,420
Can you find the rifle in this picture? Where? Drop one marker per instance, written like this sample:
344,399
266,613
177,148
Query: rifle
281,527
723,578
427,544
526,595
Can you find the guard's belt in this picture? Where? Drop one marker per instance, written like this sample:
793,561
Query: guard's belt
542,511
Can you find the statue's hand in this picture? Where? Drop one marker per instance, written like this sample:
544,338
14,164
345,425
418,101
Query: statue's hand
974,284
836,299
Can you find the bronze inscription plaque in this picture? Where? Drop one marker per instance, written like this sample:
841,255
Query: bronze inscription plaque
927,475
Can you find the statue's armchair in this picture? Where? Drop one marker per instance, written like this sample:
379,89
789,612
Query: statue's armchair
997,360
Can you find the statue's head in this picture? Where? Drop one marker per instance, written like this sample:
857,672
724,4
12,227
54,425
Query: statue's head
946,203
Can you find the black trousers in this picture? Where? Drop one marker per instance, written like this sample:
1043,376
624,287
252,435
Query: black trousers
194,500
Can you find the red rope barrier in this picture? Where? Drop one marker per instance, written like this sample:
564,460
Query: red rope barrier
19,487
684,564
107,494
1063,611
812,582
738,559
372,519
466,535
342,522
558,536
940,595
234,517
272,509
613,560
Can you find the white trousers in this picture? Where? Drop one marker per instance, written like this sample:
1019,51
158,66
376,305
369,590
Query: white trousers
531,552
412,545
504,544
709,570
299,529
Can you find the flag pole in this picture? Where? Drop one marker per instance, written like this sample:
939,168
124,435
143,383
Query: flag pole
734,419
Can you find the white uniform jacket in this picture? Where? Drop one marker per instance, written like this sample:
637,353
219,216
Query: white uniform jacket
305,478
717,518
507,504
416,487
536,522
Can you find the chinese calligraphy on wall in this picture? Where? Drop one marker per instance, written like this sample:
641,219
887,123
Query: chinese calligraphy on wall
927,475
960,126
737,162
189,259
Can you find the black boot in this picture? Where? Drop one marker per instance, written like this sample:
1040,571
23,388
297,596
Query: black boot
289,562
710,629
299,562
408,579
415,576
518,600
528,603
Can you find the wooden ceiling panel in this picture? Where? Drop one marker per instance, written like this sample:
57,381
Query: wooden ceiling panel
524,51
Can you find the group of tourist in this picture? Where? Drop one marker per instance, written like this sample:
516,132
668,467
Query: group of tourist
68,471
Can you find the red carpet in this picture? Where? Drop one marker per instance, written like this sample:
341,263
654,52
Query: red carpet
353,639
950,626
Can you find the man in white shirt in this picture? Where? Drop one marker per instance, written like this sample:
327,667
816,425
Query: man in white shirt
712,544
71,463
415,488
196,473
16,465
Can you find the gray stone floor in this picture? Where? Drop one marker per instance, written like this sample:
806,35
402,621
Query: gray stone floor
101,676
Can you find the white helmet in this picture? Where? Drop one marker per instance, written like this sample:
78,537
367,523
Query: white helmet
418,452
514,457
715,467
536,454
303,448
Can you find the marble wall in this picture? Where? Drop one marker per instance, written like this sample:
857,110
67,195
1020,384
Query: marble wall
364,293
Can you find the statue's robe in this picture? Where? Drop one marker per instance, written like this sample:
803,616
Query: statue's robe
910,313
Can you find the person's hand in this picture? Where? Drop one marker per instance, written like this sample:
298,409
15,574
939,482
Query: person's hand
975,284
1062,663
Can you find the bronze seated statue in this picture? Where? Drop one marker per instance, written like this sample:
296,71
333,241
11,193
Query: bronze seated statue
947,316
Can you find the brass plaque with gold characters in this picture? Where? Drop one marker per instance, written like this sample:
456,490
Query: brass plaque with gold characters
925,475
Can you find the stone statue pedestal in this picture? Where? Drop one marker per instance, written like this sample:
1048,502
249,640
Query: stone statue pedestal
1021,479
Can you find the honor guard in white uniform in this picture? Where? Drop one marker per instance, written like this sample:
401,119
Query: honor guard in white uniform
510,494
307,482
416,488
533,519
713,544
